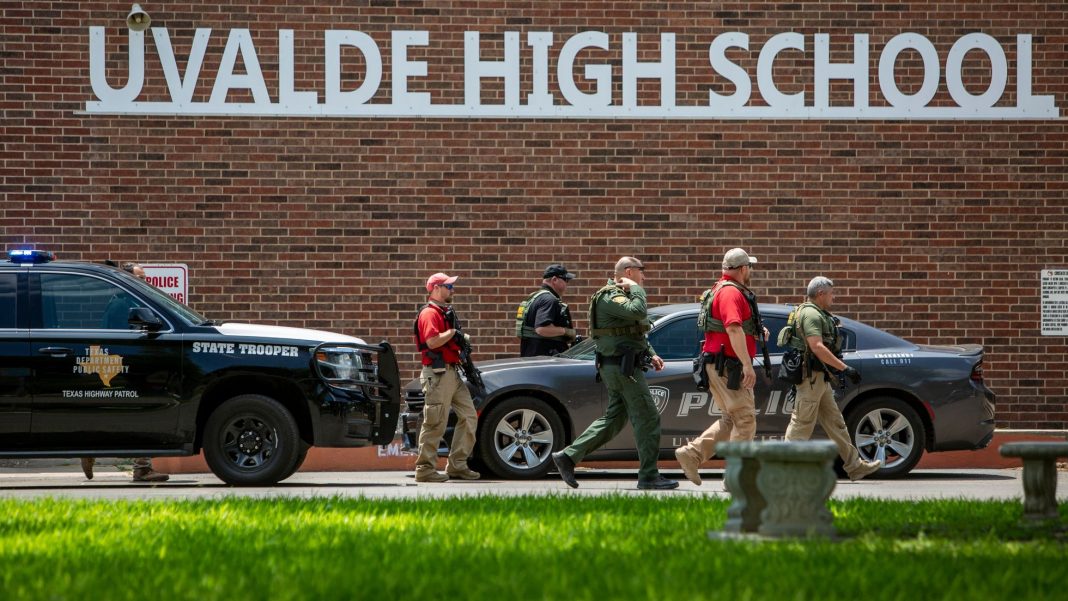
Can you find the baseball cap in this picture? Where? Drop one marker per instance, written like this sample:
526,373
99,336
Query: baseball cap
558,271
736,258
438,279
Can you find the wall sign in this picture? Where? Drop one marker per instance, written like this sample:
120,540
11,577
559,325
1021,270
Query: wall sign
172,278
1055,302
569,100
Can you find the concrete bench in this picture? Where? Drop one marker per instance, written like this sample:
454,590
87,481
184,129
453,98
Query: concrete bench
1039,475
779,489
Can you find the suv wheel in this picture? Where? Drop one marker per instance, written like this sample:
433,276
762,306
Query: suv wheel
517,437
251,440
889,429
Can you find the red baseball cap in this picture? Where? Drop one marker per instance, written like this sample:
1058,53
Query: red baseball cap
438,279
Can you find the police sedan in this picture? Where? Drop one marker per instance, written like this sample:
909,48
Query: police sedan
913,398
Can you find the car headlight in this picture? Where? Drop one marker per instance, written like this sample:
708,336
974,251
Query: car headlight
341,365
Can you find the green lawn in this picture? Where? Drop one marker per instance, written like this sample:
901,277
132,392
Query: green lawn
615,547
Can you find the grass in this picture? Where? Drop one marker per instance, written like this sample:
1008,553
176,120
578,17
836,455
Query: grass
612,547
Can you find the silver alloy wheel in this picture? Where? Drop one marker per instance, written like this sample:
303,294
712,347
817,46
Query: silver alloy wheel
886,435
523,439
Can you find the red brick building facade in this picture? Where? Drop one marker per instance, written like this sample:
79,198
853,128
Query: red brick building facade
934,229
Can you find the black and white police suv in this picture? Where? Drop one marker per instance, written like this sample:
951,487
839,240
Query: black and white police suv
96,362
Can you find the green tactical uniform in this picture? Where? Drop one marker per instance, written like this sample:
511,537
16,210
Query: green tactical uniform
618,324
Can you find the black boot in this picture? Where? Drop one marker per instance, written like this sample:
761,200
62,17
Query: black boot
566,467
660,483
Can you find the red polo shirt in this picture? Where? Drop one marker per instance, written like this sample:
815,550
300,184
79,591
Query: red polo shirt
430,323
730,307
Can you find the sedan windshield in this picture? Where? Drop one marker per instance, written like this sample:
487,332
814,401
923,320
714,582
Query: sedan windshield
585,350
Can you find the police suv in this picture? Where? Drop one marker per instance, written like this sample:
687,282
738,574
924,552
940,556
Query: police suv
95,362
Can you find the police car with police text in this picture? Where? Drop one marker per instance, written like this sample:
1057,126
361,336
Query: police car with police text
95,362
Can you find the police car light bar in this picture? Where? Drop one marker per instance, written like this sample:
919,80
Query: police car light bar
29,255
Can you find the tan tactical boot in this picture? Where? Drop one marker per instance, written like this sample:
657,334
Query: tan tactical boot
689,465
87,467
465,474
864,468
431,476
147,474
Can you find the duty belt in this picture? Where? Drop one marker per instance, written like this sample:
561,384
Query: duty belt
636,330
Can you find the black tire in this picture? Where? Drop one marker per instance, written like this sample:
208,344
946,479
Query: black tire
890,429
531,446
252,440
301,456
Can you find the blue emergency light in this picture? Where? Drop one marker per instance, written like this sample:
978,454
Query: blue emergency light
30,255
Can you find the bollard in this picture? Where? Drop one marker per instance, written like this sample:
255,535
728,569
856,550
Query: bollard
743,516
795,481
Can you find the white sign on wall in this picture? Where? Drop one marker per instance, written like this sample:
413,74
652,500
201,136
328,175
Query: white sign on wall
1055,302
240,70
172,278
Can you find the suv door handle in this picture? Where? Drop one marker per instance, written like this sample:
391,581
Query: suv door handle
55,351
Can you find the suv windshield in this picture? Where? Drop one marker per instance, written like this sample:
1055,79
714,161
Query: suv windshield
186,314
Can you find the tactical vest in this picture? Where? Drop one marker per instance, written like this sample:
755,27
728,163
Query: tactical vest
792,335
595,332
707,323
420,343
522,330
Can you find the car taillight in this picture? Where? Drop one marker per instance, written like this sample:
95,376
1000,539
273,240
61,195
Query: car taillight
977,372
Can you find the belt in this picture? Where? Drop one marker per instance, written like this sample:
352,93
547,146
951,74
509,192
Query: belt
613,359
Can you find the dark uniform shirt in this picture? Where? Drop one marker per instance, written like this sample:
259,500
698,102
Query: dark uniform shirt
545,310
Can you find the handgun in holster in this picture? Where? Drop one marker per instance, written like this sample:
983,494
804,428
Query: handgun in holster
733,367
721,357
627,363
437,361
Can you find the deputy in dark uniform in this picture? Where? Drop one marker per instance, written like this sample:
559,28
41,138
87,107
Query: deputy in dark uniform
545,326
619,323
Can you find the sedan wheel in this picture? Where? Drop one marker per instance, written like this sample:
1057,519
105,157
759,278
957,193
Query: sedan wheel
889,430
517,437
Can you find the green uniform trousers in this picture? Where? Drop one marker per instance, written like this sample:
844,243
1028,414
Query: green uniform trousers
627,398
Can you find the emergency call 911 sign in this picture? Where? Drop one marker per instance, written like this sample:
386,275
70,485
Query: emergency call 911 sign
172,278
1055,302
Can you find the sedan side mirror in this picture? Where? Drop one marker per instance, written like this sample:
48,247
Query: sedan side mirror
143,318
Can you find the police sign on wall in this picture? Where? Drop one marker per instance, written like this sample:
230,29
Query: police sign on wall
172,278
240,69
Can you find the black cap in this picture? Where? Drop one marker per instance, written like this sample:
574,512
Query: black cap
558,271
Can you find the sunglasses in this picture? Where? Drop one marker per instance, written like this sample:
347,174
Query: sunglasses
446,286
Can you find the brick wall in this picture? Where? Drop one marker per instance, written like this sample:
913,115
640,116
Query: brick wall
933,230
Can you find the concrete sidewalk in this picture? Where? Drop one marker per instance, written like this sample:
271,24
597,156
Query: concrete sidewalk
111,483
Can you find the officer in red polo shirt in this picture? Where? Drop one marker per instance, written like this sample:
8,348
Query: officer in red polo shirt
443,388
733,327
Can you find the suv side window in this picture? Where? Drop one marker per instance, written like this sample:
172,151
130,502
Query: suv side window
679,339
77,302
8,298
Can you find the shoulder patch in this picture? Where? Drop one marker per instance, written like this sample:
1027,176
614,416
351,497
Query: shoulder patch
619,298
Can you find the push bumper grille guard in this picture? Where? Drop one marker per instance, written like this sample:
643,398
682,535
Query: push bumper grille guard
378,378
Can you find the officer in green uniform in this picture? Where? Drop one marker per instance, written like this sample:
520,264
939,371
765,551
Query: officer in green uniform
619,323
813,331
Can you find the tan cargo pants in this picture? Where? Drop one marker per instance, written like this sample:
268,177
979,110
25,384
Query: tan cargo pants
444,390
738,421
815,403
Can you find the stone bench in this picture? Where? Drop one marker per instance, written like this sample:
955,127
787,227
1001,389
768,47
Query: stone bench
779,489
1039,475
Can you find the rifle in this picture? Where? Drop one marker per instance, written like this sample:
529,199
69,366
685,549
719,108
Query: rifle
763,338
471,373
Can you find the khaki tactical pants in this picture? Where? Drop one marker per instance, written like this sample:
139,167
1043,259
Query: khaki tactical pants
738,421
444,390
815,403
627,398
